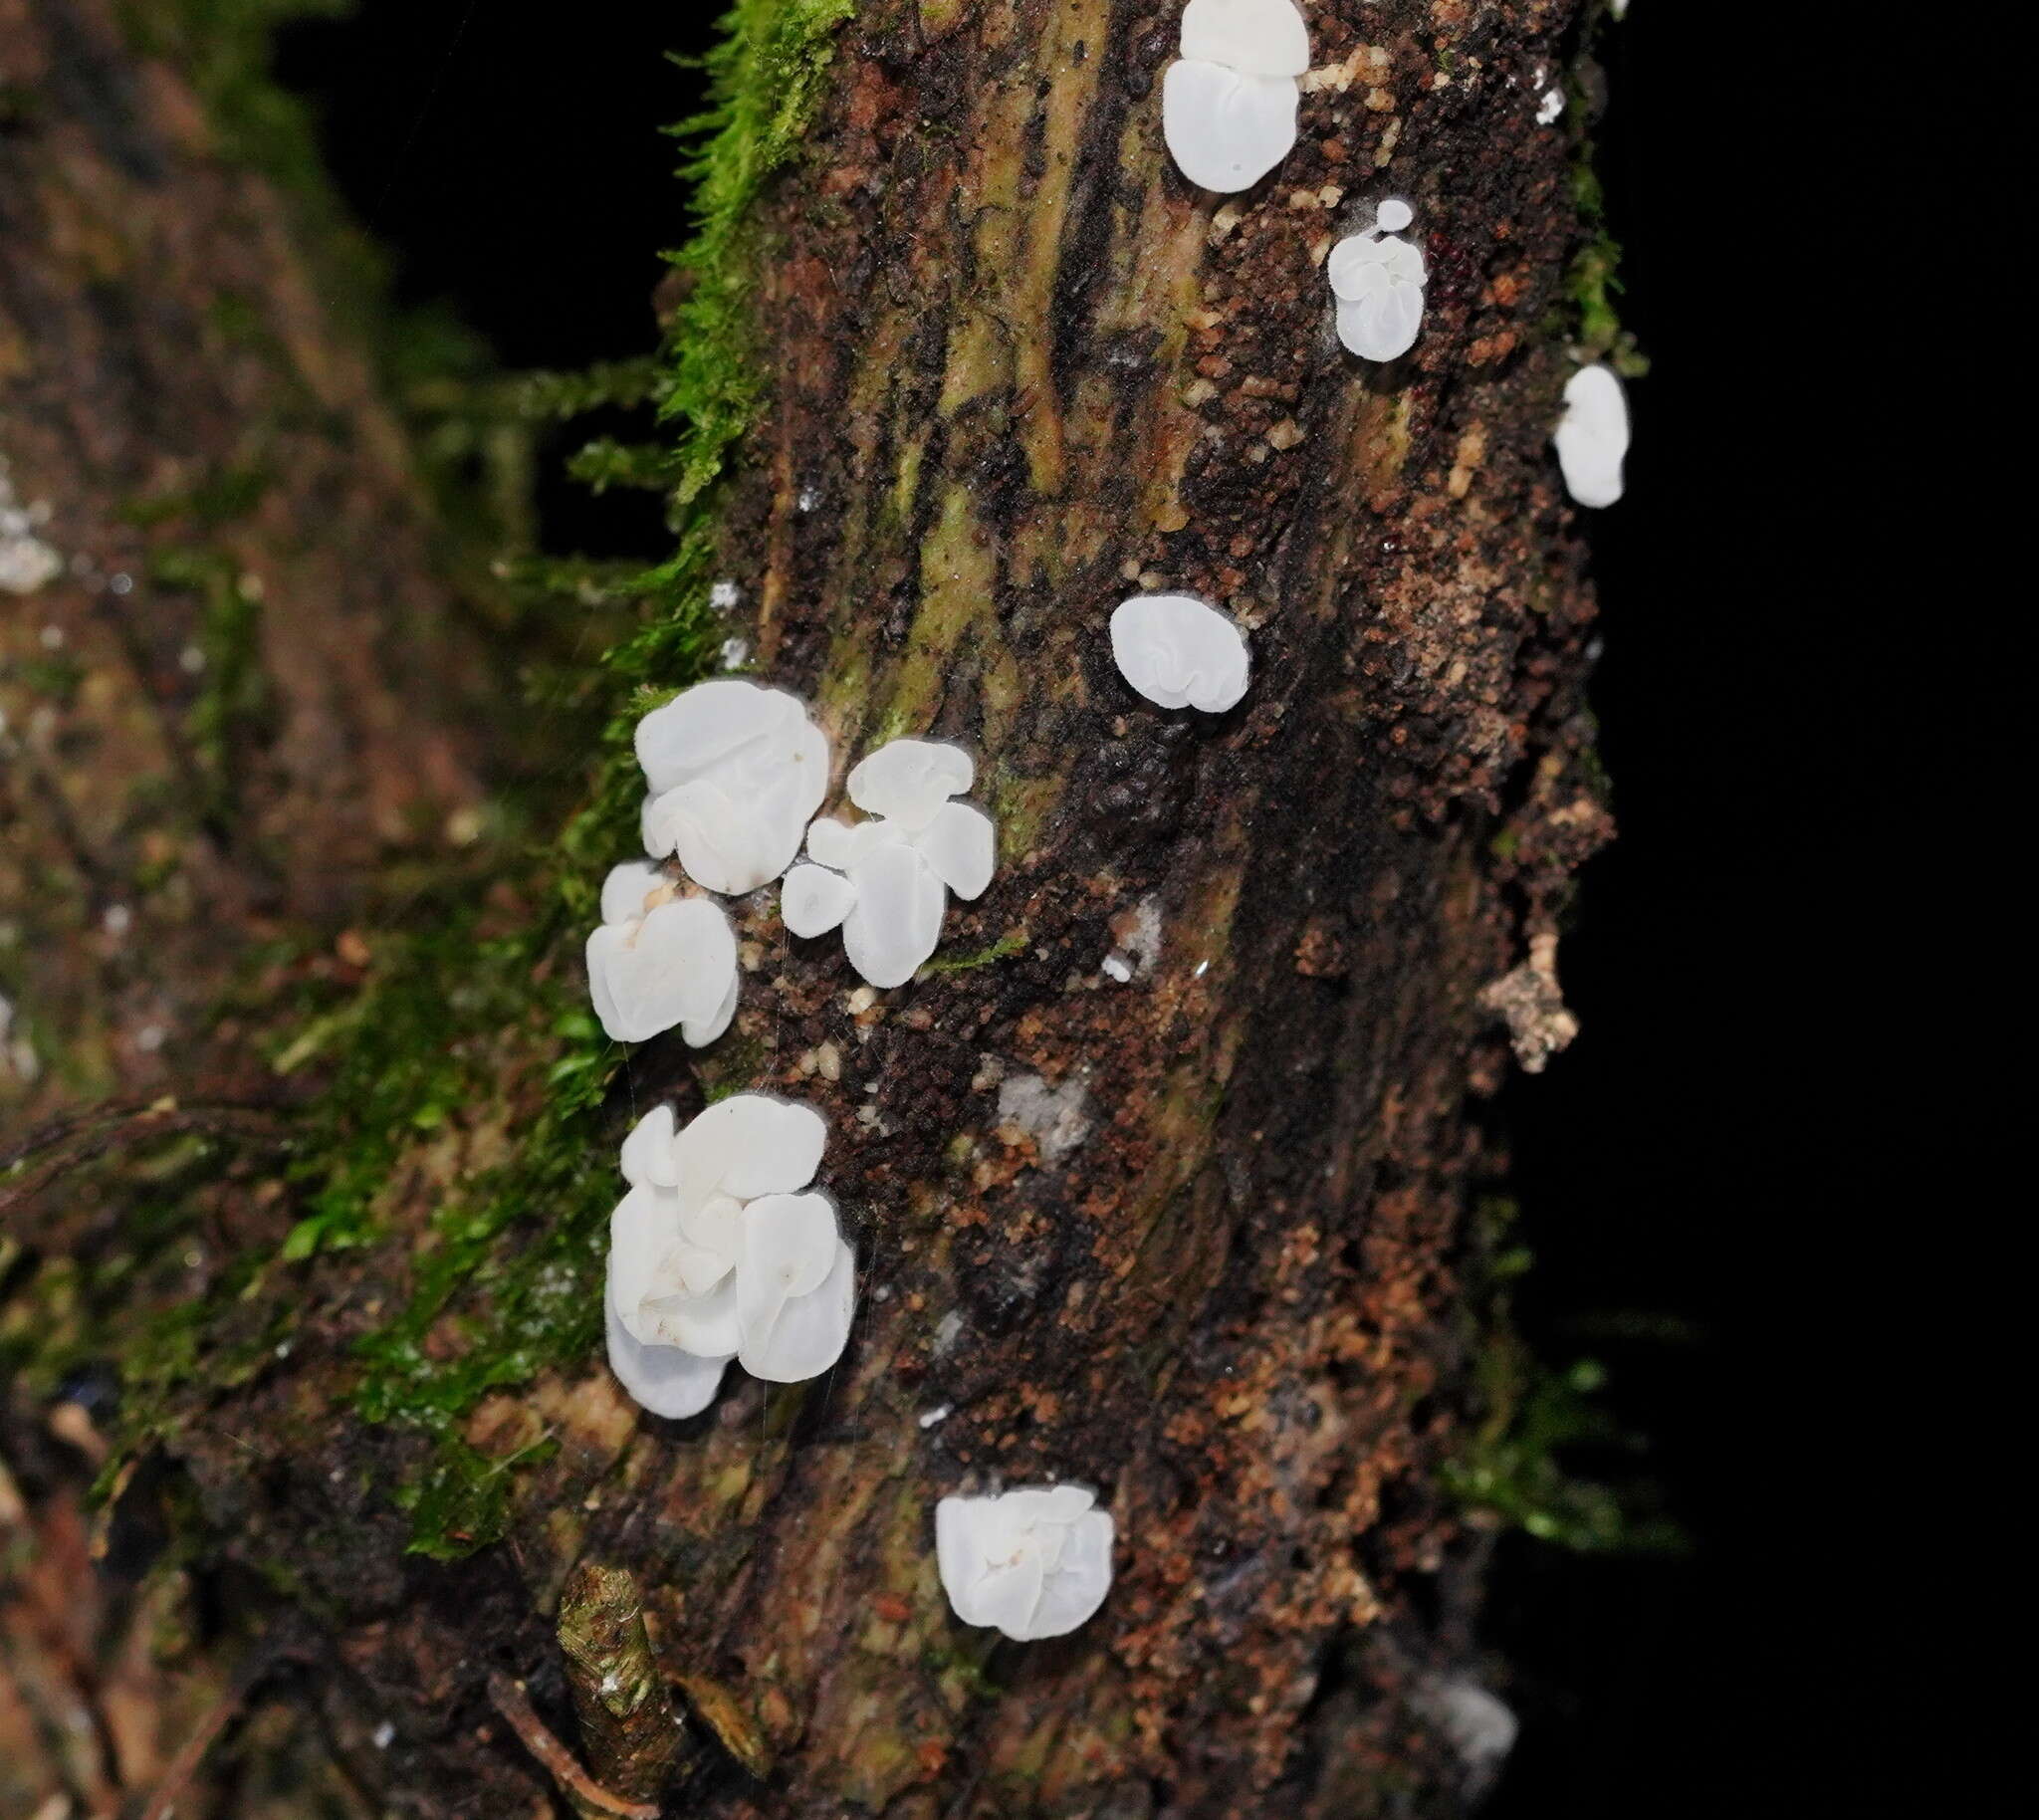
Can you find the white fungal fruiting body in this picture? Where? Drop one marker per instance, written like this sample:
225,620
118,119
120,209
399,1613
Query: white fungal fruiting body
1179,653
1031,1564
1378,279
887,881
715,1252
26,562
1228,105
1592,436
735,771
660,959
1253,37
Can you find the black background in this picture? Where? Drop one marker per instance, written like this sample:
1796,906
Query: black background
1714,1159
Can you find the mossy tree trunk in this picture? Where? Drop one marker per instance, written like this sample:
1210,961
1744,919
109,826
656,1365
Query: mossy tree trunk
961,363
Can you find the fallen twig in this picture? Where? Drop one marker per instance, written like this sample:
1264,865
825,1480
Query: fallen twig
510,1699
254,1667
82,1136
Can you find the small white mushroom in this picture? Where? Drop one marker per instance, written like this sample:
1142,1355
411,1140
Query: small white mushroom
896,922
841,844
1253,37
908,781
1179,653
1032,1563
1378,279
1225,131
663,1379
1592,436
960,849
815,900
716,1254
658,959
736,771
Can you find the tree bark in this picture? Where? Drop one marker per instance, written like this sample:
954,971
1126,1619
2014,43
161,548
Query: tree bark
235,686
1203,1236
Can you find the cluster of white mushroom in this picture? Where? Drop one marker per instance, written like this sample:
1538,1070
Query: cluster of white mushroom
716,1254
887,881
1032,1563
736,771
1378,279
1229,103
722,1250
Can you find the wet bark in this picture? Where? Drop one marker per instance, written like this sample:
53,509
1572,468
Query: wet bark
1201,1235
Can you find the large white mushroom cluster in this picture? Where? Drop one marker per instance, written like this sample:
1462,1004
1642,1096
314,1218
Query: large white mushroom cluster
717,1254
737,772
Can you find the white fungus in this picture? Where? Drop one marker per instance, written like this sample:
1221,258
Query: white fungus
1253,37
1592,436
908,781
1229,106
887,881
735,771
26,562
1225,131
1032,1563
1057,1119
716,1253
815,900
1378,279
1179,653
1551,105
660,959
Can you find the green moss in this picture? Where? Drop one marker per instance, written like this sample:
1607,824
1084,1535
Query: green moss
1593,280
469,1056
462,1498
1510,1467
605,463
1013,942
515,1302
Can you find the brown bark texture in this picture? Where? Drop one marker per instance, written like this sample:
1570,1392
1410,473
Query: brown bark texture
1202,1237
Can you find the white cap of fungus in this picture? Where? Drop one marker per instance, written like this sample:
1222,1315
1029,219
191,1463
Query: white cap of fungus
1592,436
1179,653
1032,1563
736,771
716,1252
1253,37
1225,131
660,959
662,1379
908,781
